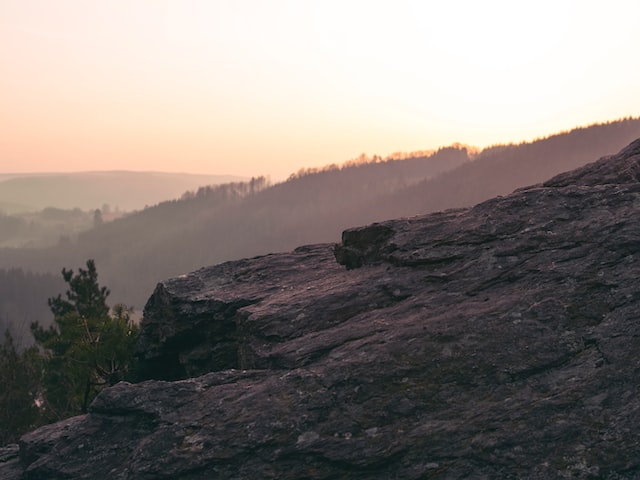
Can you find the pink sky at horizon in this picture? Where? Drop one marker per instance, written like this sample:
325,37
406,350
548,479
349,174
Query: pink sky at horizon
253,87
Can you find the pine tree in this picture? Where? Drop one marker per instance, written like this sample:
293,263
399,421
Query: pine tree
87,348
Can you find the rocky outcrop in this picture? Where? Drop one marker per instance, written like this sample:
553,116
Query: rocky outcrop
501,341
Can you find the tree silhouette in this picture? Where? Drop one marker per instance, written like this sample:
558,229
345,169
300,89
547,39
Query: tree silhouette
86,348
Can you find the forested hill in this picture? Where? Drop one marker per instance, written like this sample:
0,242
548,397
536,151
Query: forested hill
229,221
237,220
500,169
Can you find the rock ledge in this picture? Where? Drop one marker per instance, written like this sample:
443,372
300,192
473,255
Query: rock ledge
501,341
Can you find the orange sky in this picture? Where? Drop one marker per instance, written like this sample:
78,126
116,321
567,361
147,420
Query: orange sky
256,87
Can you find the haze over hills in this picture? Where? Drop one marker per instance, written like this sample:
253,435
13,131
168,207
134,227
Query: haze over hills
498,341
123,190
231,221
500,169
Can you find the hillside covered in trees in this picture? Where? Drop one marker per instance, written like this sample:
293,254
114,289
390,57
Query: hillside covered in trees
219,223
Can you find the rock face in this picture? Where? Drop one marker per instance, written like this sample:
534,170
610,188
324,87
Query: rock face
501,341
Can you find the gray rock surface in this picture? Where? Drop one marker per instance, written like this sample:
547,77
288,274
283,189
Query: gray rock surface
501,341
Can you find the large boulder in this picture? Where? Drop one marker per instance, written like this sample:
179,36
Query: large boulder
501,341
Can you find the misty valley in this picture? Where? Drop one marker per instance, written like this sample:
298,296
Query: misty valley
49,227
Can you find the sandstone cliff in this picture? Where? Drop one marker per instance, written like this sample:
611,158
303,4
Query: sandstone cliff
501,341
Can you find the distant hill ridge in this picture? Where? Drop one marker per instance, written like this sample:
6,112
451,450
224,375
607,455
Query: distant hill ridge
125,190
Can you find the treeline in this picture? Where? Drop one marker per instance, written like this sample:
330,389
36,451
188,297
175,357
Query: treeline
500,169
215,224
414,165
216,194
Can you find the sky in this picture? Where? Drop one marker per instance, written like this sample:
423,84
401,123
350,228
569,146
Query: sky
266,87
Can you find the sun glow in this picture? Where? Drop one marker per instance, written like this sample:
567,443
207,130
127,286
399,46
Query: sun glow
252,87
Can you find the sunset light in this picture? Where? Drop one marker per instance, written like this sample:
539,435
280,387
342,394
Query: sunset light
254,87
290,239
